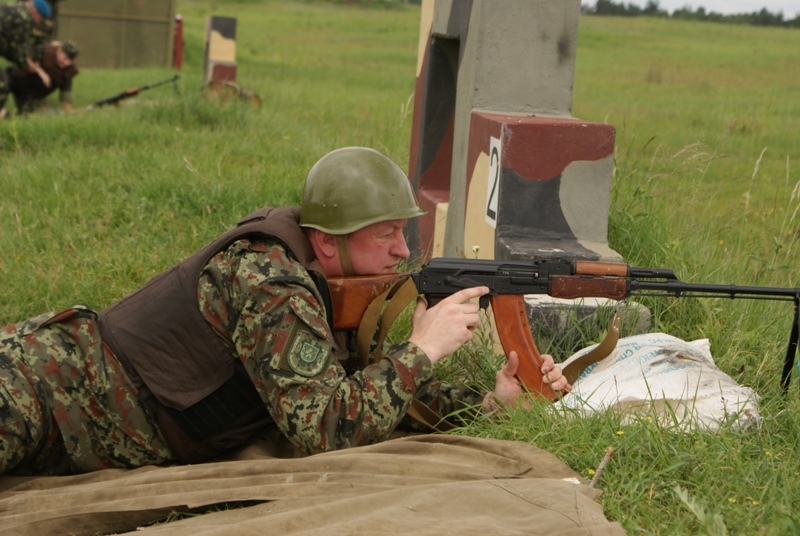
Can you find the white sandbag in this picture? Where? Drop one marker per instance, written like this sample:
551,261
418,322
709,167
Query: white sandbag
663,376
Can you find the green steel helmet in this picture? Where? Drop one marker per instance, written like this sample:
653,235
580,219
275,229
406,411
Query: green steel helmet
352,187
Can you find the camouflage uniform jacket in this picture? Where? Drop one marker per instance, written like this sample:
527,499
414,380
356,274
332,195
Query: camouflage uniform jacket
268,320
17,33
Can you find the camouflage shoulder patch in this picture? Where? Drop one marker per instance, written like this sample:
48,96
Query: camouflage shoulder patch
308,355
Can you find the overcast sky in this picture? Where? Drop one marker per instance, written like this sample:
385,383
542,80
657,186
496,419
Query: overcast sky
790,8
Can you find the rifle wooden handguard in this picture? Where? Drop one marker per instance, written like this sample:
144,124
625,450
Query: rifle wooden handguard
601,268
570,287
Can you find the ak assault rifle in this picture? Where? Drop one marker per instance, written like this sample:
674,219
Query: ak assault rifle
509,281
115,99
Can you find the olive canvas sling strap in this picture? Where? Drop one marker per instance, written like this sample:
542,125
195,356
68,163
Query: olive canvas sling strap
379,316
574,368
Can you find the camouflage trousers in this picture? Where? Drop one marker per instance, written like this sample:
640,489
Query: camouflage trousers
66,404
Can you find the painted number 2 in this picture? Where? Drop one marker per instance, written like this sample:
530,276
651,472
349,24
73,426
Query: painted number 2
493,182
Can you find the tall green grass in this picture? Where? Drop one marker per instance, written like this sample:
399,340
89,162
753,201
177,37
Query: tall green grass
95,203
726,92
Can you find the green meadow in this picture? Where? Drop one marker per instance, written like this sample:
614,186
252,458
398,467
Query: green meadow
707,117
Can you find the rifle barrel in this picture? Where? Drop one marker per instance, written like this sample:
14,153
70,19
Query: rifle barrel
156,84
678,289
653,273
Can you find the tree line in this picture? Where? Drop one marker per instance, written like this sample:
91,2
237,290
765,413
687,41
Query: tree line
653,9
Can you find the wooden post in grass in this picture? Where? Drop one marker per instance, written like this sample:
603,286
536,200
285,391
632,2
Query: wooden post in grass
496,159
219,66
220,54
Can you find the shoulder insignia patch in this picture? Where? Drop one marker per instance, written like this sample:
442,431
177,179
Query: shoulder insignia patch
308,355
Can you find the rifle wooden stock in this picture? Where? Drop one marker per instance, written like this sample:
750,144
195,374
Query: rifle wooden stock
352,295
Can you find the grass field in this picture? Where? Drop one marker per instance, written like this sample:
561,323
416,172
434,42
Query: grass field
707,116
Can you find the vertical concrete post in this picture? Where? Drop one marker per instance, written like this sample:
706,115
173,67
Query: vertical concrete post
496,159
220,53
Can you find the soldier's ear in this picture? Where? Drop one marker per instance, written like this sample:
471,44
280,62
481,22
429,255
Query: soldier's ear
324,244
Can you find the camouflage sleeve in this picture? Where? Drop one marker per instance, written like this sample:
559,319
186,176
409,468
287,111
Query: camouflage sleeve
65,94
17,35
44,31
36,52
267,306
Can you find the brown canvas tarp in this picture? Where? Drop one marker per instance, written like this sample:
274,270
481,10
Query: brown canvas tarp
433,484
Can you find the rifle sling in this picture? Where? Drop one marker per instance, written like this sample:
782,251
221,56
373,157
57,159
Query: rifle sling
425,415
598,353
396,299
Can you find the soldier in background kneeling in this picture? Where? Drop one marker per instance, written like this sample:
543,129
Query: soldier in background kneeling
57,60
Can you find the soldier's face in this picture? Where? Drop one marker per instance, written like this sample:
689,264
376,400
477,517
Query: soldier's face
378,248
62,59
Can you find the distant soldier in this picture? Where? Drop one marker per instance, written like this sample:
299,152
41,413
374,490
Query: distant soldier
18,27
57,60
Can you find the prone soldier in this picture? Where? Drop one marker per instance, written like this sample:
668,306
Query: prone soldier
237,341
